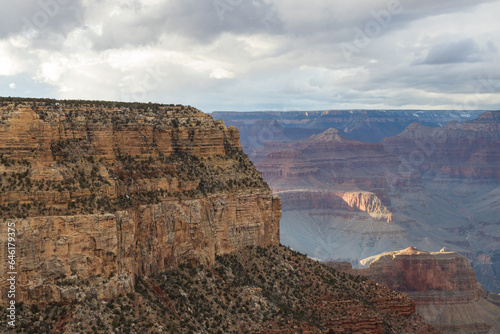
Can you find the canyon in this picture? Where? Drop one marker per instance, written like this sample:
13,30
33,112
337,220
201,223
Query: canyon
433,185
129,217
259,127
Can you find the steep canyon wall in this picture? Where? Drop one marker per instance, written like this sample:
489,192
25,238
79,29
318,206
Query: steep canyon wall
101,192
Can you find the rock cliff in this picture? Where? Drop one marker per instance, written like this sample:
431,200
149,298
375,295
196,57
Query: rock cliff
103,191
428,278
336,195
326,160
460,167
342,202
442,284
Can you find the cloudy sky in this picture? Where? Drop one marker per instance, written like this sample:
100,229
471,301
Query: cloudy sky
255,54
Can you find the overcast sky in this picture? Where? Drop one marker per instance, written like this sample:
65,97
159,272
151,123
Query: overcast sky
255,54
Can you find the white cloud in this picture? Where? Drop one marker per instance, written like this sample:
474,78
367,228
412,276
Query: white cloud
220,73
9,66
12,86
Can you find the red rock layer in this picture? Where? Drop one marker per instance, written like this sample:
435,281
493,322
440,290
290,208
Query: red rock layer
444,277
327,160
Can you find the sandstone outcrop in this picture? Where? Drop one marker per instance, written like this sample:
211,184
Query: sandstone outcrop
342,202
102,192
428,278
442,284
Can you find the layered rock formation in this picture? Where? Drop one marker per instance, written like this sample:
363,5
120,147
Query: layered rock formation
258,128
336,195
347,203
427,277
325,160
442,284
105,191
459,163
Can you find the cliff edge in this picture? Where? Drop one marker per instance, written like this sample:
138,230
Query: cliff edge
100,192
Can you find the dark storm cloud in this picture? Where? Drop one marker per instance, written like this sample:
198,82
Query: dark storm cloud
464,51
200,21
337,20
40,19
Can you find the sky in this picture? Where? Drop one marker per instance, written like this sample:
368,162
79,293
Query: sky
255,54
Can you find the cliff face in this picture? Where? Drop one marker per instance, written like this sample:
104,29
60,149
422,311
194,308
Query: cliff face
336,195
442,284
428,278
460,162
327,160
347,203
103,192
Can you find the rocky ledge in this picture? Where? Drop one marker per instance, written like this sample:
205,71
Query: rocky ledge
442,284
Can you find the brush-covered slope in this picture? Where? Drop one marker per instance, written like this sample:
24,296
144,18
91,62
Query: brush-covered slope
254,290
105,191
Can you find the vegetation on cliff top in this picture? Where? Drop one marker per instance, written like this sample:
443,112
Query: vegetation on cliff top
82,157
256,290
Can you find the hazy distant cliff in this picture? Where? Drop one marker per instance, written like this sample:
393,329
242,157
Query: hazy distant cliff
103,192
367,125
